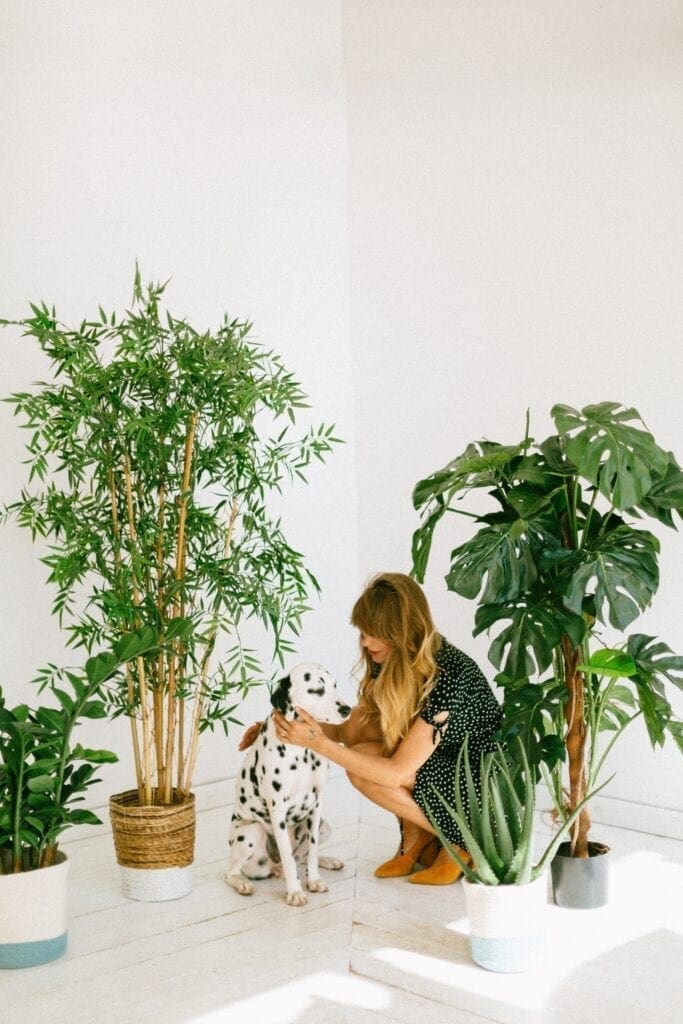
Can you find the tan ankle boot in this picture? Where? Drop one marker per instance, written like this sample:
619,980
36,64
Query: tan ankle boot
404,861
444,870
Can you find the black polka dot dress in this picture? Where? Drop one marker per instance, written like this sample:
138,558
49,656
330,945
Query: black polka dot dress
461,704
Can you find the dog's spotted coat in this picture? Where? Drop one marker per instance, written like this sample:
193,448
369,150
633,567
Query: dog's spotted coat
278,793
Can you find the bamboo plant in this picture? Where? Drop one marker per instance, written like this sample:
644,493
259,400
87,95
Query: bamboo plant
151,462
561,554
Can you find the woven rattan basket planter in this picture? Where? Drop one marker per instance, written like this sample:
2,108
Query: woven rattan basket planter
154,845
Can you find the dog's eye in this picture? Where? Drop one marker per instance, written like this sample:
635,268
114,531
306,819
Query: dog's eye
320,692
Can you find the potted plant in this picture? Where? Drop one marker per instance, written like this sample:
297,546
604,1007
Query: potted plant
561,554
505,884
152,460
42,776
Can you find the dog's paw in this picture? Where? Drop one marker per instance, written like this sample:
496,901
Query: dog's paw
330,863
276,871
296,899
316,885
241,885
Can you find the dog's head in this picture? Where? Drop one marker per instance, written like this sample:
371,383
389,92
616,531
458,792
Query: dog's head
312,688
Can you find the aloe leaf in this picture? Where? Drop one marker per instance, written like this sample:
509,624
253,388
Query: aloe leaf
502,817
488,839
506,774
481,870
521,864
474,809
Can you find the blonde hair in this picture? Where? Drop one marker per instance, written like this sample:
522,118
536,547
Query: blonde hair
394,609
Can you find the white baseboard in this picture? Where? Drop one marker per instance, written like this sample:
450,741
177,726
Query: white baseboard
616,813
656,821
605,810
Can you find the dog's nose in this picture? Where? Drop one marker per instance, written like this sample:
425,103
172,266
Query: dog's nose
344,710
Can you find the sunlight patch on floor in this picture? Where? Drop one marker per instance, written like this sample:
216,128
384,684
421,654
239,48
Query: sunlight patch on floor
645,898
465,977
286,1003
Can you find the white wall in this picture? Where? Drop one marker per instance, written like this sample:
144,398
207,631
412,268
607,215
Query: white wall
209,141
515,241
503,178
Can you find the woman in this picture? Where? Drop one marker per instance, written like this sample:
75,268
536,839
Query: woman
418,699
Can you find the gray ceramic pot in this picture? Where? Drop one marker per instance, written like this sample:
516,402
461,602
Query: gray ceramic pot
581,883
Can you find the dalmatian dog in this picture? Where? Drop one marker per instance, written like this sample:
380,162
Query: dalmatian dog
276,819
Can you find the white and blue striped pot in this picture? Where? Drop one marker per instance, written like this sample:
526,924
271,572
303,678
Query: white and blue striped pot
507,924
33,915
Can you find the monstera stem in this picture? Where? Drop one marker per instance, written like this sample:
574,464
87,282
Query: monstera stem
575,742
574,709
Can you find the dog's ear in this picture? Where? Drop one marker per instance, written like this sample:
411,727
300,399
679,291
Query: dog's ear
279,698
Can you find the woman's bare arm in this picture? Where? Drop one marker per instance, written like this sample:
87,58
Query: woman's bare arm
353,730
397,770
349,732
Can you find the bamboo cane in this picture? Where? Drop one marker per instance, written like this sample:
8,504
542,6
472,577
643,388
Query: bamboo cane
210,643
159,689
178,604
142,680
130,692
130,688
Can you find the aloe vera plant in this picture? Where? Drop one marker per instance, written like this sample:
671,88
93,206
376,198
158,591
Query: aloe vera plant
498,826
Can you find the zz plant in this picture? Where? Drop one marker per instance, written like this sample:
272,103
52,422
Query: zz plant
561,553
150,467
42,772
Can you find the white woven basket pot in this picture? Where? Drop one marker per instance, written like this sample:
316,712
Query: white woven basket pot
507,924
154,885
33,915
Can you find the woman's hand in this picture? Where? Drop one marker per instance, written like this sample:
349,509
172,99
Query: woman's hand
250,735
302,732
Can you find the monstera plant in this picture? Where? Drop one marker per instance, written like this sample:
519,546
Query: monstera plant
561,558
152,452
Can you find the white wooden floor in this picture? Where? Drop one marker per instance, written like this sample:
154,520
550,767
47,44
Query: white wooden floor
366,952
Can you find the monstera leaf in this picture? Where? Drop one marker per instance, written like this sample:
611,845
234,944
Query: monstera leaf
536,629
531,710
422,539
656,664
478,466
666,494
502,555
655,661
621,570
611,453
